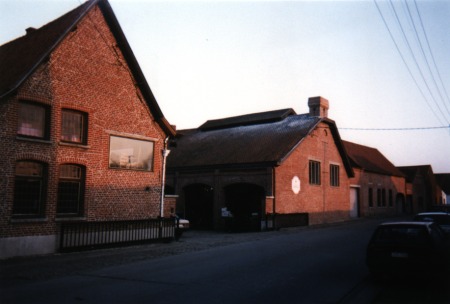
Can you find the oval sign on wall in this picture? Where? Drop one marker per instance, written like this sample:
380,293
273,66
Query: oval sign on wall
296,184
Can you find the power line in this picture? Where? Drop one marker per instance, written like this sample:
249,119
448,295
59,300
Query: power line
405,63
395,129
432,56
424,55
415,60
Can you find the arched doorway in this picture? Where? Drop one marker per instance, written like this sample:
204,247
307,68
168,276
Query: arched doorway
245,202
199,206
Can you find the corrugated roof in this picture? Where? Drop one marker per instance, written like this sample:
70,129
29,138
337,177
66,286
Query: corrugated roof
370,159
249,143
257,143
249,119
20,58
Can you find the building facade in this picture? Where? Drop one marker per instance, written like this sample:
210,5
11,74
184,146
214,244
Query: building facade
423,192
262,171
378,187
81,131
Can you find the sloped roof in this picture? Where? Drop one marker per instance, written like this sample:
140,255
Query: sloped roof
265,138
249,119
412,171
443,180
20,58
370,159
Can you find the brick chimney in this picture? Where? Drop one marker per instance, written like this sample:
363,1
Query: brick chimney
318,106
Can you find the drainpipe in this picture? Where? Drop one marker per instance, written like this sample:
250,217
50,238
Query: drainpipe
165,153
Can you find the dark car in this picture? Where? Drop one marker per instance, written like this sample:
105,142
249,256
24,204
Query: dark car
408,248
440,218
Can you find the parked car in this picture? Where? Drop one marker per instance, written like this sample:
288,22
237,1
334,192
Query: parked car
440,218
408,248
181,225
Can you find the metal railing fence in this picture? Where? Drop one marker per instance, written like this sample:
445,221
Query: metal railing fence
76,236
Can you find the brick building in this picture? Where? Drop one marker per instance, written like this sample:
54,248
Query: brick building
378,187
81,131
243,172
443,180
423,192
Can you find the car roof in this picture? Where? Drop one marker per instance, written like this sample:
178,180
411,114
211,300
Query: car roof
406,223
433,213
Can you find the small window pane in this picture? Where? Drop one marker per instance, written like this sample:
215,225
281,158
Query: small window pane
31,120
69,171
73,126
314,172
28,188
70,190
334,175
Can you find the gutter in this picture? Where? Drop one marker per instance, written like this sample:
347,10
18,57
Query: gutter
165,153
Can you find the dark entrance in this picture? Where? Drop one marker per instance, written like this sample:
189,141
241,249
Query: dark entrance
245,202
199,206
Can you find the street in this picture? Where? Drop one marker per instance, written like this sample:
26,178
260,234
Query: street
300,265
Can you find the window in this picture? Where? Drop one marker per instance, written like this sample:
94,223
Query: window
334,175
378,197
370,197
71,189
29,188
33,120
130,154
383,197
314,172
74,126
391,198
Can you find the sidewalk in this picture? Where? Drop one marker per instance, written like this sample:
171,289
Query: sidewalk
54,265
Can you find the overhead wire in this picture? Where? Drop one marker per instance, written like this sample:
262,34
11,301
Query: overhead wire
432,56
405,63
395,129
415,60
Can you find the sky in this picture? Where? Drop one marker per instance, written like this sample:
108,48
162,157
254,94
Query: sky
384,66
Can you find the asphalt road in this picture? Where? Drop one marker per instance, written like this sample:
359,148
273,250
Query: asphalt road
302,265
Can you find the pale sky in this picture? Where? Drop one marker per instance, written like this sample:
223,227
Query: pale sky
214,59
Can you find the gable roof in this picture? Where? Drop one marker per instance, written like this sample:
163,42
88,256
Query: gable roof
265,138
249,119
20,58
443,179
412,171
370,159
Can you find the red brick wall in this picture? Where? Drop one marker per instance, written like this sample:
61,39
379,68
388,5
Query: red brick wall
86,72
366,180
324,203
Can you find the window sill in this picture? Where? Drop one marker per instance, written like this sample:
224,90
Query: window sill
35,140
28,220
75,145
70,218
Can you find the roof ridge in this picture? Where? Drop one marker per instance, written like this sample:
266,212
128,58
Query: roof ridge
247,119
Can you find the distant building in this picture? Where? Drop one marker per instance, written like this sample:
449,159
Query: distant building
262,170
443,180
378,187
81,131
422,190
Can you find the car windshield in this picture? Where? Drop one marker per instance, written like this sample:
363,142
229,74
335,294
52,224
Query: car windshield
401,235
